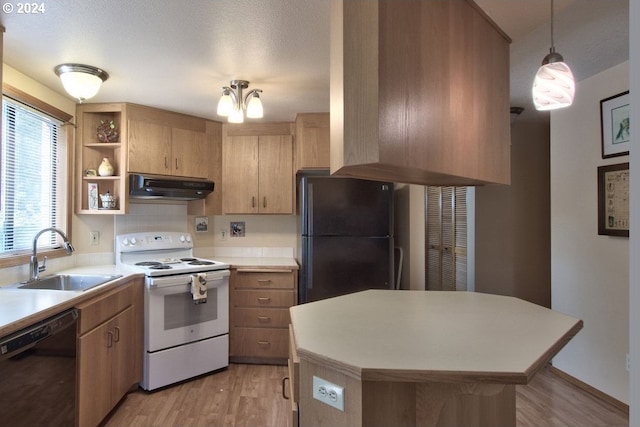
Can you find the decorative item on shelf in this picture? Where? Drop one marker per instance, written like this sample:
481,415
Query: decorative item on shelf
92,189
107,131
234,106
108,201
105,169
90,172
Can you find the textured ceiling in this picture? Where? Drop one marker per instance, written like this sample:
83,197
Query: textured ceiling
176,54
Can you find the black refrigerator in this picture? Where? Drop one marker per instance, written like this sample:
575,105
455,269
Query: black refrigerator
345,230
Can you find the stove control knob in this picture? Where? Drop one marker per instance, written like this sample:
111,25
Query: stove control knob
133,241
188,239
125,242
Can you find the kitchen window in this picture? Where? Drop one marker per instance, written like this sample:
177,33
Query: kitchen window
33,177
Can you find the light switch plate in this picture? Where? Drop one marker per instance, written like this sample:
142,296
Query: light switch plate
329,393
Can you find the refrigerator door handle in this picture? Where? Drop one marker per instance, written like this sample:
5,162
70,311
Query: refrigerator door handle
309,264
310,209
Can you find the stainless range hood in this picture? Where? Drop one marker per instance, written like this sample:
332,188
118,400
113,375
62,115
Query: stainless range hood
144,186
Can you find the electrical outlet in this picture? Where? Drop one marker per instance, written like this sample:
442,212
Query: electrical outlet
329,393
628,363
94,238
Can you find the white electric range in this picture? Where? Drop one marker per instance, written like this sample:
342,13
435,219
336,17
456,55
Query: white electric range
186,306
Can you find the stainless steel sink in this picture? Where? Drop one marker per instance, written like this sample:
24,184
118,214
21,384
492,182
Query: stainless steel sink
70,282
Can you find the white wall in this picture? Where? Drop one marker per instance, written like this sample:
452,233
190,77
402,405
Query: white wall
260,231
589,273
634,295
417,222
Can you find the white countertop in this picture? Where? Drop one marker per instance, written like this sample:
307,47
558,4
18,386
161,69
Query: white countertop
259,262
18,306
431,335
250,257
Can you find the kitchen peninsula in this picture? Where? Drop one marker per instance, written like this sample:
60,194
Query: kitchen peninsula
416,358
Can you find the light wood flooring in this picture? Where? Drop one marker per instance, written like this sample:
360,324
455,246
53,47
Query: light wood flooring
250,395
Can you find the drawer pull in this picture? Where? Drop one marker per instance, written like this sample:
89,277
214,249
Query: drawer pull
264,319
264,300
284,381
264,343
264,281
264,270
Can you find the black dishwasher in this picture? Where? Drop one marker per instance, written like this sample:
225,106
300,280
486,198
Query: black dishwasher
38,373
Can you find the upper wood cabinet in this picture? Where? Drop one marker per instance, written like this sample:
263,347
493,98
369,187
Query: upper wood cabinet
419,93
312,141
166,143
212,204
149,148
151,141
257,169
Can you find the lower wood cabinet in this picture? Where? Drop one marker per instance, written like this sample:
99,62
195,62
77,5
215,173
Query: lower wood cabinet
109,351
294,381
259,315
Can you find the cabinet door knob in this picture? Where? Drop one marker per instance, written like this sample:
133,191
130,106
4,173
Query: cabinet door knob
116,334
166,162
264,202
176,164
253,202
109,339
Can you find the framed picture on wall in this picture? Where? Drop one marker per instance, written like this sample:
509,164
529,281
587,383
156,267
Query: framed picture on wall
615,126
613,200
202,224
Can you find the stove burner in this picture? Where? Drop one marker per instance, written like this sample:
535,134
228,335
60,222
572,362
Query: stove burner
188,259
160,267
148,263
201,262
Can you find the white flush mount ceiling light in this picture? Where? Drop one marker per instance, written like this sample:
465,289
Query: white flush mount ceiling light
554,85
81,81
234,106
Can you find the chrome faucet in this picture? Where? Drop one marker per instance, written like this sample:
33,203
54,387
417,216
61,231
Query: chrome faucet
34,268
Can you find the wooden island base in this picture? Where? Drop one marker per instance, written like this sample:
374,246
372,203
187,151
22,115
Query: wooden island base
407,404
418,358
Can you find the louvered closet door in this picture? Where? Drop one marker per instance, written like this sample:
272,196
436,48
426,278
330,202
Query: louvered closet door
446,239
460,247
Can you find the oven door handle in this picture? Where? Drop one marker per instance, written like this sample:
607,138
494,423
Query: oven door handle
214,279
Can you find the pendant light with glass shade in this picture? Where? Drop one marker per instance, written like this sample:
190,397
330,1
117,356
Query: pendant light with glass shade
554,84
234,106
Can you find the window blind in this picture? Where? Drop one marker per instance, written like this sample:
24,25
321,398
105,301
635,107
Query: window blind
33,178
